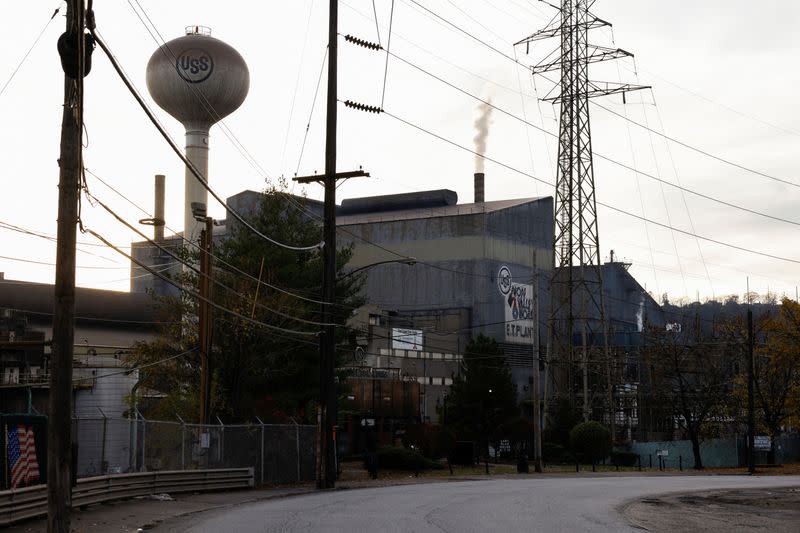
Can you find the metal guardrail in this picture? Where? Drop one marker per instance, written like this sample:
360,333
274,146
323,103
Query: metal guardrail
31,502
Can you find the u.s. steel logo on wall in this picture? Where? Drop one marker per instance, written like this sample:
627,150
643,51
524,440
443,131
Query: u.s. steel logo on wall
194,65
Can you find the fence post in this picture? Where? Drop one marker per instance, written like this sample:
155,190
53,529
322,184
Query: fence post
103,446
183,446
297,446
680,462
651,460
262,448
639,461
183,442
144,443
221,441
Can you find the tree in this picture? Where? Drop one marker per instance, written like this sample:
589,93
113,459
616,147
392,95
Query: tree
269,372
482,396
777,369
691,377
590,441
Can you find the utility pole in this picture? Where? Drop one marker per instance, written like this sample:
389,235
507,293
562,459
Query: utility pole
72,48
326,462
751,417
326,478
577,299
537,414
204,316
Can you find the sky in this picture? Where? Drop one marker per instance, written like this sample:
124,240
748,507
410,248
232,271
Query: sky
722,76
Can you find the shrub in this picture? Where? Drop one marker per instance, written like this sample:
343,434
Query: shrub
552,452
624,458
590,441
405,459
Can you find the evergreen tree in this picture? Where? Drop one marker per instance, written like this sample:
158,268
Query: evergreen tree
483,396
256,371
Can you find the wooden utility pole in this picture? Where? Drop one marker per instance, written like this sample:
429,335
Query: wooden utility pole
59,432
326,461
751,419
327,473
204,318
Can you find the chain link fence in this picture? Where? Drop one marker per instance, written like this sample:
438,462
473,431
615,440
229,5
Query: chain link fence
278,453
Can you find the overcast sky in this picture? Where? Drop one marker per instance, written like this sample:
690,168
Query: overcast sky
724,80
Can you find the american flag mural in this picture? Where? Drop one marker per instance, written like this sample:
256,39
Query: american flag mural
22,463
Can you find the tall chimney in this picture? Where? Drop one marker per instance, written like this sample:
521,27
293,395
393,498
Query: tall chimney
158,215
479,187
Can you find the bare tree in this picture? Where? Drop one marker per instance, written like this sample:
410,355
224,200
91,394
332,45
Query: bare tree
690,378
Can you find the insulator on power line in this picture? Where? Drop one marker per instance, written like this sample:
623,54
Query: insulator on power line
363,107
362,42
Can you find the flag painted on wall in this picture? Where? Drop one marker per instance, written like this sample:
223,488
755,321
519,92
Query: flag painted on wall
22,462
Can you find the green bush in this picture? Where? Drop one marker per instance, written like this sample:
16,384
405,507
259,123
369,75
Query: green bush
624,458
590,441
556,454
405,459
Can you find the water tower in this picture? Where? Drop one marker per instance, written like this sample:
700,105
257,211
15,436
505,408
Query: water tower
199,80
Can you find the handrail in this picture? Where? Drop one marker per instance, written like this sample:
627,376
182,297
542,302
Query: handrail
31,502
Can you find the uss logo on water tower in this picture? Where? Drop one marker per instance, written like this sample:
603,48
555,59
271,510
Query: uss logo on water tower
194,65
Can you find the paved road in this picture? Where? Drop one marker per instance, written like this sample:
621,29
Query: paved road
531,504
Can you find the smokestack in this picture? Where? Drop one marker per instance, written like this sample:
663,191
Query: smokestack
479,198
158,215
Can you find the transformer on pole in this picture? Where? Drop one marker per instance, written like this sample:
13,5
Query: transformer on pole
578,329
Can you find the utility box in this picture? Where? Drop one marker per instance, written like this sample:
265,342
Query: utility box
24,441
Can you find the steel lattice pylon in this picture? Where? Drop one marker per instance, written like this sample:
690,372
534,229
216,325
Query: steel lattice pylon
578,330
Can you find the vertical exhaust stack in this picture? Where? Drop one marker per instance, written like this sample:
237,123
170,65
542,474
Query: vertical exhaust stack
479,187
158,214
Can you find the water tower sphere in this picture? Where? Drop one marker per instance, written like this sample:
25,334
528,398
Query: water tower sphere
197,79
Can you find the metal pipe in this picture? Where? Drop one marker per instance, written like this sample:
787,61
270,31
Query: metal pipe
158,213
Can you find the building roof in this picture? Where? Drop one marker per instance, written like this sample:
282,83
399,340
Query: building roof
99,306
432,212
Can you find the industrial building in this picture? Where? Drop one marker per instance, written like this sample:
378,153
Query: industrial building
107,324
437,273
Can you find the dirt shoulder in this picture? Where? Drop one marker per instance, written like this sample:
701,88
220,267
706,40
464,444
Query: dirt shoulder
775,510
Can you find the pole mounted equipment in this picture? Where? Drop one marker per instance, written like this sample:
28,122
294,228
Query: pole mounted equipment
577,300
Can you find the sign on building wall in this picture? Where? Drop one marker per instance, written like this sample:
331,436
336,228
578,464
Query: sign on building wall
407,339
518,303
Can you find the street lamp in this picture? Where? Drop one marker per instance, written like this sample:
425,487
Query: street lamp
410,261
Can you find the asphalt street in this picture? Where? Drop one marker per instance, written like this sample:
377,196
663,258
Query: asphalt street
547,504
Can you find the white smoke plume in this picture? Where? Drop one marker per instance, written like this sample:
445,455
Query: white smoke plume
482,133
640,314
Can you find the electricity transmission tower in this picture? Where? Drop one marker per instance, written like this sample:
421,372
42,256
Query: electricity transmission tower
578,330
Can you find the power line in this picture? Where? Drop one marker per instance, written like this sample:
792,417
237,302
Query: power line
601,156
196,270
237,144
217,258
198,296
128,371
35,42
613,208
34,262
672,139
183,158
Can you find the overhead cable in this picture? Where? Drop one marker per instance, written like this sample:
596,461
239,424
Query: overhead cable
185,160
